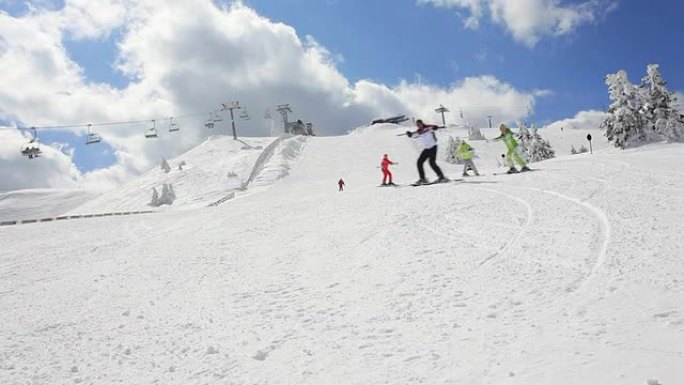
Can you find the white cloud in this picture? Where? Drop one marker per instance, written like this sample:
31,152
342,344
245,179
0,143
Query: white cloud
584,120
189,56
528,21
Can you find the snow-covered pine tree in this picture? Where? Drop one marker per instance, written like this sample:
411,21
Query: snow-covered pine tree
165,166
155,198
539,149
474,133
452,145
573,150
660,107
167,195
525,140
623,124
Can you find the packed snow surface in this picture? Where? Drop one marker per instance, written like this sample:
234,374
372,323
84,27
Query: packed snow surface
41,203
571,274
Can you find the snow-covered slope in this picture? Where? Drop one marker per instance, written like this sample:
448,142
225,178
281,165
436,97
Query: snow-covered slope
567,275
210,171
41,203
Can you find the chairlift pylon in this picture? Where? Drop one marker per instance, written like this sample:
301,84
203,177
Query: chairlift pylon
32,148
152,131
92,137
173,127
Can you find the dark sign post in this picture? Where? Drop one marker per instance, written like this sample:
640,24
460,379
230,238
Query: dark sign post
591,150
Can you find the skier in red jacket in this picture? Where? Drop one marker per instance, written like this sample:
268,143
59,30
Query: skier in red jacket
340,183
384,165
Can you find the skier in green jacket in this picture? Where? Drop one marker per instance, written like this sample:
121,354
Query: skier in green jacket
512,146
465,152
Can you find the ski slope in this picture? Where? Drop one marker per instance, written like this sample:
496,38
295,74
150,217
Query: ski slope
203,175
41,203
571,274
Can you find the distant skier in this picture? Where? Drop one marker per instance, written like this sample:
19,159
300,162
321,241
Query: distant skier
425,133
465,152
512,146
340,183
384,165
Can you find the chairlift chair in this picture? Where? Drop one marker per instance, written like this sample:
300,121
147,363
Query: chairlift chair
217,117
92,137
244,115
32,148
173,127
152,131
210,123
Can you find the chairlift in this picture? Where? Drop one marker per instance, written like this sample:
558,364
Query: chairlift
244,115
173,127
92,137
152,131
32,148
210,123
216,117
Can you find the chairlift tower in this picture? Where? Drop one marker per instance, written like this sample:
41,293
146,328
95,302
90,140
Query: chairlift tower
283,109
442,110
231,106
489,117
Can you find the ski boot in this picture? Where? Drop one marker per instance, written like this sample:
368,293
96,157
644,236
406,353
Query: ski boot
525,168
512,170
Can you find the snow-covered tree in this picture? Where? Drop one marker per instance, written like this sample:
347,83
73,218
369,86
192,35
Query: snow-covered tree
540,149
641,113
524,140
165,166
168,195
452,145
155,198
623,124
474,133
581,150
659,109
533,147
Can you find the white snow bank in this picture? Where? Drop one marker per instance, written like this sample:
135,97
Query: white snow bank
41,203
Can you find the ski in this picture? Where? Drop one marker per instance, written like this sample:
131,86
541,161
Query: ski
436,182
514,173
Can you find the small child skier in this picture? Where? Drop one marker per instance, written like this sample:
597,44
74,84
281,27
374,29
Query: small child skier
465,152
512,146
384,165
340,183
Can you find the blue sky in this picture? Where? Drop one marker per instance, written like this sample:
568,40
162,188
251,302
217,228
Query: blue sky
495,59
390,41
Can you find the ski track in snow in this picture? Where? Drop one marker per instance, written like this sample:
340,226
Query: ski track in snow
521,231
602,218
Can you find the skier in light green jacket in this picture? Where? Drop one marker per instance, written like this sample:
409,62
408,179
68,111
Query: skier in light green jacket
512,146
465,152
